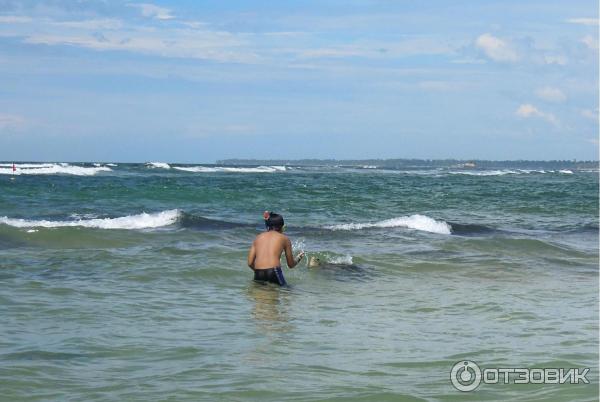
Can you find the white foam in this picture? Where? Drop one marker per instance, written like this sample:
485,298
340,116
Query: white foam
195,169
417,222
342,259
205,169
486,172
139,221
28,165
54,168
82,216
508,171
111,164
298,245
158,165
369,167
531,171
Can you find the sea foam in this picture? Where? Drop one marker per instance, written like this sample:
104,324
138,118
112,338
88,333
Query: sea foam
212,169
486,172
52,168
417,222
139,221
340,259
158,165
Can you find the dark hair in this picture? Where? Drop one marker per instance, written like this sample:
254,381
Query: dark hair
274,221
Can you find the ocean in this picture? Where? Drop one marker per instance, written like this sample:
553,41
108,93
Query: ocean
128,282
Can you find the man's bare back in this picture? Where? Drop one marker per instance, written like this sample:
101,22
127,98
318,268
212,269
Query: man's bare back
266,250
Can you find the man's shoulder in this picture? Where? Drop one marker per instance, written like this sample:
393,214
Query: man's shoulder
271,234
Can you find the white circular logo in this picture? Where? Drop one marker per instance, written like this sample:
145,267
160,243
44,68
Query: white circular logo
465,375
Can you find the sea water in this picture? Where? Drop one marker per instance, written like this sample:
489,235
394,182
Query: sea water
128,282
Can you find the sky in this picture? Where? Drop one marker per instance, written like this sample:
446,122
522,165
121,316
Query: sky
196,81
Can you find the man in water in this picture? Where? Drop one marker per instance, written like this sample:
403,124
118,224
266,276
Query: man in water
265,254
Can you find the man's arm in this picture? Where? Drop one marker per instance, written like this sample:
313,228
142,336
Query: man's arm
251,256
289,257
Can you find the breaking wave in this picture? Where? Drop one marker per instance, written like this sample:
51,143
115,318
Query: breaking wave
507,172
158,165
417,222
51,168
139,221
206,169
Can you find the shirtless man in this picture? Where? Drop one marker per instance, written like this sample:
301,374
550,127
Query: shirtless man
265,253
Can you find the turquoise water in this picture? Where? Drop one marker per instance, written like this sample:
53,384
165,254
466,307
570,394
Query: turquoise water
129,282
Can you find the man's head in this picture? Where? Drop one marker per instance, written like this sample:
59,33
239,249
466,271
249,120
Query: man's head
273,221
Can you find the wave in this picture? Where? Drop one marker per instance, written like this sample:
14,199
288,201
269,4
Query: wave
508,171
417,222
28,165
199,222
467,229
205,169
582,228
52,168
139,221
158,165
338,267
486,172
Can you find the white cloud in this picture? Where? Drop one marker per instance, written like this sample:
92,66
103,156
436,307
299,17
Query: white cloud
496,49
590,41
154,11
170,40
557,59
590,114
11,122
527,110
95,24
332,53
181,43
14,19
377,49
583,21
469,61
551,94
439,86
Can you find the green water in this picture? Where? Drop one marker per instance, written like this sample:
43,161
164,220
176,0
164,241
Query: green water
95,310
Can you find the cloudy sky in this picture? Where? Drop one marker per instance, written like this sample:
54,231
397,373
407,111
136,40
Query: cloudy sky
197,81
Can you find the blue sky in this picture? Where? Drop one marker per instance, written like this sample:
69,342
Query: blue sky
197,81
